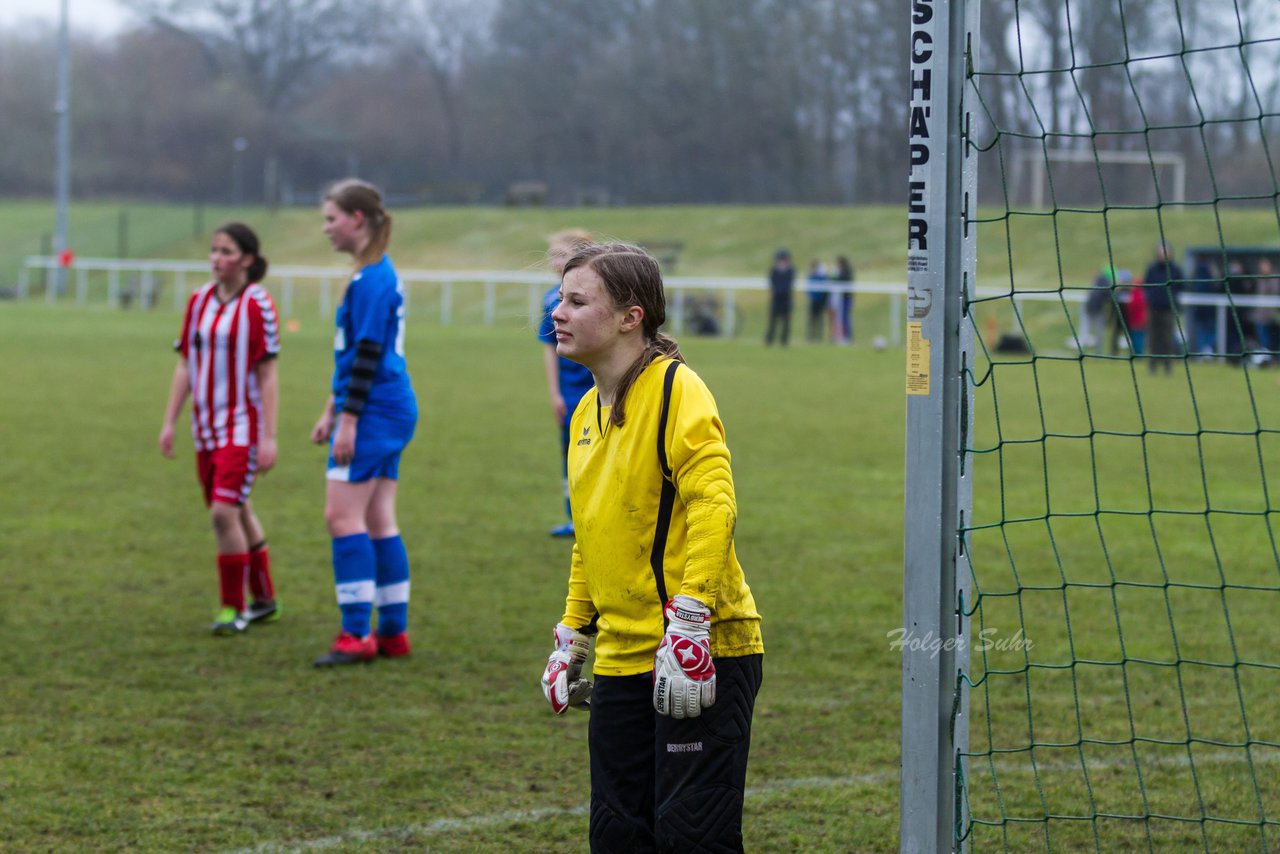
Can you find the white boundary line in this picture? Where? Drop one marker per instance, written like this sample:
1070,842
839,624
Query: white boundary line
462,825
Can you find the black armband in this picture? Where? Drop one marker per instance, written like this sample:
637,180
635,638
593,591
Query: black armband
363,370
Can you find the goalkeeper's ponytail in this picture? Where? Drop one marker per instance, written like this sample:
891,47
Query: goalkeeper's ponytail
632,277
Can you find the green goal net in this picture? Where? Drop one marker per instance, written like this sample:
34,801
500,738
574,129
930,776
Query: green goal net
1121,432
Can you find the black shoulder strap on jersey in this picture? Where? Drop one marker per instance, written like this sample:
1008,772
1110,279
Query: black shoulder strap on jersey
668,498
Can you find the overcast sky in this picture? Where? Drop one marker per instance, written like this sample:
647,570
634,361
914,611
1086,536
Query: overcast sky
101,17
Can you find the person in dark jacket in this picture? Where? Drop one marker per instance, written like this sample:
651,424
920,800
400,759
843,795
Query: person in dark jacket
1163,282
782,280
1238,283
1206,280
844,314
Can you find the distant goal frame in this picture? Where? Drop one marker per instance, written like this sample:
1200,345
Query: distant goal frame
1035,168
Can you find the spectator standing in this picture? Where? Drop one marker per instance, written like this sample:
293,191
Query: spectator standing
1119,332
843,316
1267,285
1134,311
1205,280
819,298
1163,282
1236,284
782,281
1099,306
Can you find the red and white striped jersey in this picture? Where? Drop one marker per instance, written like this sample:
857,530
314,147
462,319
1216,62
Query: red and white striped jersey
222,343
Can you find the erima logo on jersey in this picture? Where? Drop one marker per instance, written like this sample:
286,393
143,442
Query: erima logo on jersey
586,437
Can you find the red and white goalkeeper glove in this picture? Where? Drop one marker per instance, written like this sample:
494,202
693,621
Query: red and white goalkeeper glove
684,676
562,683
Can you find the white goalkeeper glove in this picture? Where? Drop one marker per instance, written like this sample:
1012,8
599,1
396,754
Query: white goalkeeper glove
684,675
562,683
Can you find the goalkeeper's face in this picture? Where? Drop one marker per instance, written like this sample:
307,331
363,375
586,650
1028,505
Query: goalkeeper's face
587,323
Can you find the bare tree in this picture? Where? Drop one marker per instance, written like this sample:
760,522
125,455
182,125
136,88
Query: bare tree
27,85
278,48
448,37
631,100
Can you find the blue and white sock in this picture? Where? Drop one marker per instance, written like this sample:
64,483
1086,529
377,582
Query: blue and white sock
392,595
354,571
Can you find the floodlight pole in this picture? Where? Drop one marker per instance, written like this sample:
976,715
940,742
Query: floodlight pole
62,180
940,272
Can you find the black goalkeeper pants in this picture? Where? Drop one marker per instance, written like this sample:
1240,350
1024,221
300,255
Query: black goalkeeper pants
665,785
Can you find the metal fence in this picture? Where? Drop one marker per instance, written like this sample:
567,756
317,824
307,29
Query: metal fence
490,294
487,295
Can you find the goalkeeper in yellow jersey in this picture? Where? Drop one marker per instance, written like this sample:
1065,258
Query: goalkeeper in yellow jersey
654,578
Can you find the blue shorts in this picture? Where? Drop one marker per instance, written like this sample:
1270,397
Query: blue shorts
379,443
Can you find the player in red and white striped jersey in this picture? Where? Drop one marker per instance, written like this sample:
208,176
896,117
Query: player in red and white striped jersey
227,364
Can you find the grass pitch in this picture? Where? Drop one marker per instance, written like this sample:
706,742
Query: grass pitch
126,727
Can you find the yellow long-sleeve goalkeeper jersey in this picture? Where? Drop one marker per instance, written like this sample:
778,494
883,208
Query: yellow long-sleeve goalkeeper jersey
616,478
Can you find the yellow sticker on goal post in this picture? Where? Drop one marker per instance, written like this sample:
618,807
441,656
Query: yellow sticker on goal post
917,359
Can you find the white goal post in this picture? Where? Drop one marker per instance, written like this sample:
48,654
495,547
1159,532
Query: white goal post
1036,167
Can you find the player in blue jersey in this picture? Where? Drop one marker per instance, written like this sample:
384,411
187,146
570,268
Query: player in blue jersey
567,381
368,420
